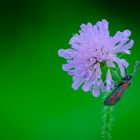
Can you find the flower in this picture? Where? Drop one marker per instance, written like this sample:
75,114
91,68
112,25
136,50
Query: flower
91,48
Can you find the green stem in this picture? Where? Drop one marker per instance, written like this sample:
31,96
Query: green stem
107,121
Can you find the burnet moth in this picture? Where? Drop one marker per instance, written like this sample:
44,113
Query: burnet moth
117,94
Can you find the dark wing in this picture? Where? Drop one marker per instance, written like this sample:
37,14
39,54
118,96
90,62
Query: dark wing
113,98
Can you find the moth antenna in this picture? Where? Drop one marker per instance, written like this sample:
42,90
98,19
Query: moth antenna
136,67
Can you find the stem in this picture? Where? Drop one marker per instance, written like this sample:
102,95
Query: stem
107,120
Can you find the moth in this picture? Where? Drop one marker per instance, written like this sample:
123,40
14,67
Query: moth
117,94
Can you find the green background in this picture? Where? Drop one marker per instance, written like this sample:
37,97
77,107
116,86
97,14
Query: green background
36,98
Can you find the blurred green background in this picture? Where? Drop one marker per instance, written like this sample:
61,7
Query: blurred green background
36,98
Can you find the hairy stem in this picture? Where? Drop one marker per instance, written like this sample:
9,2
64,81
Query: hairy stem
107,120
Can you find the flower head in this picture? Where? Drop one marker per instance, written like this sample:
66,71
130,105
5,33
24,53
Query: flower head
92,48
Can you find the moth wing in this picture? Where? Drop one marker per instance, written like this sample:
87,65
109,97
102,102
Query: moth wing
110,100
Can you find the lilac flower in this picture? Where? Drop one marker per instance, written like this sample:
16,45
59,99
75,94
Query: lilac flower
91,48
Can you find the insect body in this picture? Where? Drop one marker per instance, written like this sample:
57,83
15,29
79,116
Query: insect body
117,94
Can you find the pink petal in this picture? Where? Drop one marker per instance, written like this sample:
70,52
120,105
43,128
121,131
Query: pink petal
68,54
77,82
87,85
110,63
124,63
109,81
96,91
101,85
128,45
121,69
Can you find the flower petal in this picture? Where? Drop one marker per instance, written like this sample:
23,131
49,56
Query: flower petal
97,72
124,63
87,85
66,67
126,33
105,23
128,45
68,54
101,85
109,81
121,69
110,63
77,82
96,91
121,36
